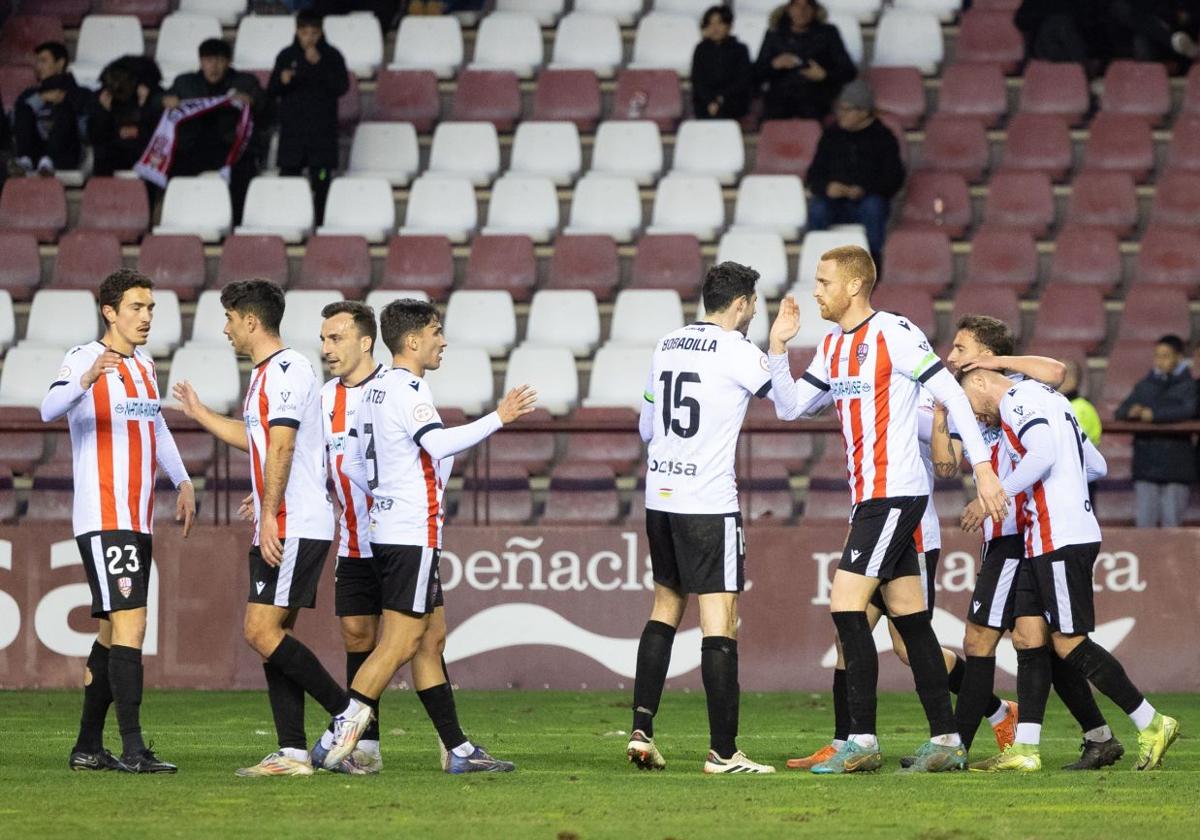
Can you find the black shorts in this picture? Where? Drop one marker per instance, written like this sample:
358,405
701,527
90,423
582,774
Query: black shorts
409,581
994,601
117,564
881,543
927,563
293,583
1063,578
356,587
699,553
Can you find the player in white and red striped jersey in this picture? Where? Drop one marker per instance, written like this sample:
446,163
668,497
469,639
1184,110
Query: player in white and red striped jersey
872,366
108,391
1053,463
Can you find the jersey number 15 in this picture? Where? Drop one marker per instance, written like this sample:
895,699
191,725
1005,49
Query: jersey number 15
674,401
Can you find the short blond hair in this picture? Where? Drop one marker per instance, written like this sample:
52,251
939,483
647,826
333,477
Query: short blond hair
854,262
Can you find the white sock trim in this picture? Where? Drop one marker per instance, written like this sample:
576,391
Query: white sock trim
950,739
1143,715
1099,734
1000,715
464,749
837,743
294,754
1029,733
866,741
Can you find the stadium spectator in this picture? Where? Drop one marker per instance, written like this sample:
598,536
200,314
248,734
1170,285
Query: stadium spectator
1085,412
1163,464
1058,30
722,73
308,79
48,118
856,169
803,62
1154,30
123,114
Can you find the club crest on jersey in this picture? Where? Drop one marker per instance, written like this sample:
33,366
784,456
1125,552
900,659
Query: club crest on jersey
423,413
125,586
861,352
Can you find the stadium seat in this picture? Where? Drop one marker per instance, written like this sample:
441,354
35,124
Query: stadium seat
1168,257
509,41
174,263
340,262
349,106
851,33
360,39
619,373
178,42
759,328
1122,143
1183,152
62,318
148,12
429,43
987,37
280,205
644,94
899,91
27,372
955,144
1038,143
642,316
8,324
1071,314
547,149
1056,88
528,452
768,494
786,147
407,96
483,319
213,371
774,203
226,11
668,261
974,90
572,95
488,95
20,452
914,304
585,262
464,380
208,321
117,206
301,324
750,29
84,256
467,149
194,205
606,204
763,251
1147,317
105,37
1140,88
665,41
688,204
1086,257
588,41
917,259
441,205
167,333
630,148
523,204
946,10
908,38
502,262
1126,367
34,205
1177,200
581,494
550,370
625,11
21,33
1022,200
865,11
502,495
385,150
937,199
247,257
564,318
1002,257
710,147
997,301
14,80
1103,199
790,450
547,12
20,264
259,40
614,449
382,297
358,206
419,262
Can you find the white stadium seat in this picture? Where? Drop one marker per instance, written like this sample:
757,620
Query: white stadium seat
693,8
643,316
213,371
359,39
625,11
588,41
771,202
759,330
763,251
607,204
178,48
360,206
509,41
546,11
103,38
278,205
551,149
62,318
551,372
385,150
379,299
908,38
166,332
28,372
864,11
429,43
688,204
946,10
628,147
439,204
481,318
469,149
851,32
198,205
8,321
526,204
301,324
564,318
464,380
750,29
710,147
260,38
209,321
618,377
665,41
228,12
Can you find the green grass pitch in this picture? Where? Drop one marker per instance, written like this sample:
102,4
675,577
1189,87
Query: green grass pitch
572,780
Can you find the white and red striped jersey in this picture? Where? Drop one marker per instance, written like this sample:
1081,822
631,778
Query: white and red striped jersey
928,535
118,439
1058,508
339,410
285,392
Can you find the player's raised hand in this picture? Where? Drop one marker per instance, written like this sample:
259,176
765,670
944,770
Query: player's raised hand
516,403
185,507
188,399
268,541
105,362
246,508
991,495
787,324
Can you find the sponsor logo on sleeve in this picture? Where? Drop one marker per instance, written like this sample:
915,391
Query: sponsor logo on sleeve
423,413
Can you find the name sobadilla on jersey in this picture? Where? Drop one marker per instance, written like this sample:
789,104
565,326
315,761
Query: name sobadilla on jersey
699,345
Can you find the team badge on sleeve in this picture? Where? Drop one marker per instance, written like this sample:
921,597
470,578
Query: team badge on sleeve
423,413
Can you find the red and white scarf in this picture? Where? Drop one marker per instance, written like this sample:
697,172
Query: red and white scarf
155,163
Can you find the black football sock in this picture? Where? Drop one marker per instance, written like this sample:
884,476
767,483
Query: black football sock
929,671
287,707
439,705
125,678
954,677
1104,671
302,666
841,706
719,671
653,660
1033,684
979,677
97,697
354,661
862,669
1073,689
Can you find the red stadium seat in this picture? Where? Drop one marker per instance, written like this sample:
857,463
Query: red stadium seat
668,261
1191,91
149,12
1183,152
648,95
955,144
1021,200
1122,143
1168,257
948,500
786,147
828,499
531,451
939,200
987,37
34,205
616,450
898,132
1127,365
489,96
20,452
581,494
424,263
14,80
1139,88
791,450
336,262
1038,143
1104,199
974,90
570,95
83,257
917,258
1002,257
767,494
1071,313
501,497
1086,257
21,33
253,257
503,262
899,91
20,265
1148,316
1118,453
1177,200
1058,89
997,301
914,304
115,205
350,106
997,5
407,96
174,263
585,262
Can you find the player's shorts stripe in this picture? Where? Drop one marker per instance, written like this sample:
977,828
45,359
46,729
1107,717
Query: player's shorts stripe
813,381
1003,586
881,545
1062,597
731,554
923,565
104,454
1034,422
287,569
883,414
421,432
919,538
431,499
101,573
420,602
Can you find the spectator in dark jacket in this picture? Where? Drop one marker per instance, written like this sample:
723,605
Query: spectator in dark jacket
124,113
308,79
48,118
803,63
1163,465
722,74
856,169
